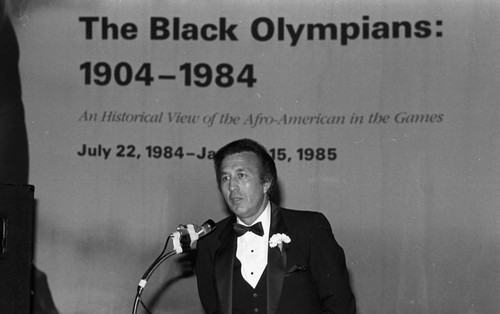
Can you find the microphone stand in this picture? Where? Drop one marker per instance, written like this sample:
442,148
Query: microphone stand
147,275
181,245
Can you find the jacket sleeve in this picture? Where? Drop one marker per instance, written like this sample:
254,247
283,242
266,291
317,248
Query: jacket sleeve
328,267
204,268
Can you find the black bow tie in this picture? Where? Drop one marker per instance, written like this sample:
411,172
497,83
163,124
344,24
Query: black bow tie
241,229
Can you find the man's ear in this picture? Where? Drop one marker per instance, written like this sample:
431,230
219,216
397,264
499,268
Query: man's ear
267,185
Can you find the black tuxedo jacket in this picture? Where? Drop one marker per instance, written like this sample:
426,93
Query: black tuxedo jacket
309,276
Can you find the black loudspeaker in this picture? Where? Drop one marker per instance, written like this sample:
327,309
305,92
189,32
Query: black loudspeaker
16,247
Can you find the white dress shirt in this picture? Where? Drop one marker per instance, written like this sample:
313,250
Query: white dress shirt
251,249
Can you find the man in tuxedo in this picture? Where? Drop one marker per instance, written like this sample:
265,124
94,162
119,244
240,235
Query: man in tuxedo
264,258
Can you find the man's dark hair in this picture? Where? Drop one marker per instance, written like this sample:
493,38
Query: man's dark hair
268,171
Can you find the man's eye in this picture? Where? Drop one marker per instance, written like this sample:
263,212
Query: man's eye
224,178
242,175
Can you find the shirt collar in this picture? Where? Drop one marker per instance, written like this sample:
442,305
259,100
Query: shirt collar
264,218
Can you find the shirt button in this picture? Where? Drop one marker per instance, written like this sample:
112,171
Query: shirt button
255,295
256,310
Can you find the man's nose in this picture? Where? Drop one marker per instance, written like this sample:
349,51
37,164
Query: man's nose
232,184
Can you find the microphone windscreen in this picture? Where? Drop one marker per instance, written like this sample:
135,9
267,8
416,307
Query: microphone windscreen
208,226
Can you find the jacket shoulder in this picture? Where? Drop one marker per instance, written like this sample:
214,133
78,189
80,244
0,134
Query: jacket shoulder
302,214
304,219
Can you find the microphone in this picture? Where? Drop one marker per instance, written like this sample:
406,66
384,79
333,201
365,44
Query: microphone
207,227
187,235
200,231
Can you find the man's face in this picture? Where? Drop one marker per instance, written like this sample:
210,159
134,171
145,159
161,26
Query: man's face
241,186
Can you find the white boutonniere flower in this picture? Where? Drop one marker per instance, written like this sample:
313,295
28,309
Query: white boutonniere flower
278,239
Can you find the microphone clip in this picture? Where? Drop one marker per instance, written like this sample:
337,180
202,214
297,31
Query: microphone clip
186,236
184,239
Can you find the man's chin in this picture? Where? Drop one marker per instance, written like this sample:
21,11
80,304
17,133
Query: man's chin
237,209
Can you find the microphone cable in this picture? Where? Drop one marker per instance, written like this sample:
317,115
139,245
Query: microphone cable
147,274
180,246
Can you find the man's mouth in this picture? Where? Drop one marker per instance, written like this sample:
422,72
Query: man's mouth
235,199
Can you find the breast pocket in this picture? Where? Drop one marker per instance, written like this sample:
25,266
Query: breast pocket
295,269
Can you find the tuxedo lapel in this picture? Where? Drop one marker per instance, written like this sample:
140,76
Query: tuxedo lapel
224,260
276,262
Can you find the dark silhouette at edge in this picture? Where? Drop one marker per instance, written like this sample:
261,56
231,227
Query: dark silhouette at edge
14,152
